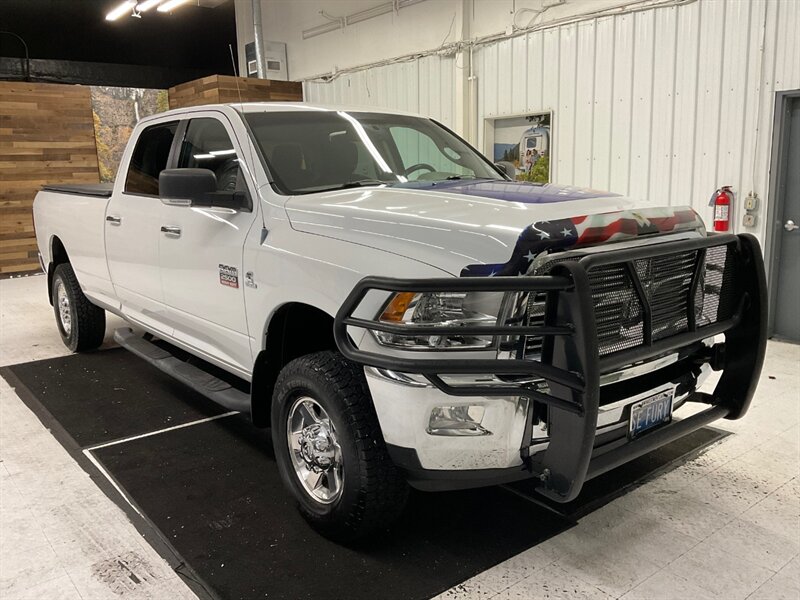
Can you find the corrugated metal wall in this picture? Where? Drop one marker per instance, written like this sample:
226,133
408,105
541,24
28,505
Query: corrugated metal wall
425,86
664,105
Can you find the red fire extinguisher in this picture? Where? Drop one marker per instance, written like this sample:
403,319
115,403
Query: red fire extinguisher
722,201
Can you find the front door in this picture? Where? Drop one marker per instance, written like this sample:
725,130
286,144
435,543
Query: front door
787,275
201,251
132,229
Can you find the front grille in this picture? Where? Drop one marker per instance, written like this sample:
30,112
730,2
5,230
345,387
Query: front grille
666,283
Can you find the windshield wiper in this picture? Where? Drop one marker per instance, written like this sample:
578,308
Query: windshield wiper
362,183
454,177
343,186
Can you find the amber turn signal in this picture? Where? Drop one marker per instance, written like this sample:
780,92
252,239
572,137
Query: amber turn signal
397,307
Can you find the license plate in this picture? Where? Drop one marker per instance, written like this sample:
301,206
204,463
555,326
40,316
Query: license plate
651,412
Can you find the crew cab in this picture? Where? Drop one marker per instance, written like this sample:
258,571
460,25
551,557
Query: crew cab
397,309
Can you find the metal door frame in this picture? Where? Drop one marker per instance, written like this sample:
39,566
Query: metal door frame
777,194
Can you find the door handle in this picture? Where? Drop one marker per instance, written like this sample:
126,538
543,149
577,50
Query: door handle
171,230
114,220
790,226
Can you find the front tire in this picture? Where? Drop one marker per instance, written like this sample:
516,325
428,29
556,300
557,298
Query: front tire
330,451
82,325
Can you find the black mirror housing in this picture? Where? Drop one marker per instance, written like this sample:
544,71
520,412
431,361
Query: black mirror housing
199,187
186,184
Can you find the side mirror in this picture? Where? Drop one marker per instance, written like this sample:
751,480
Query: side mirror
507,167
196,187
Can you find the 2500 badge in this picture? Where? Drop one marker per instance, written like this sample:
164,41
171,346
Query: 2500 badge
229,276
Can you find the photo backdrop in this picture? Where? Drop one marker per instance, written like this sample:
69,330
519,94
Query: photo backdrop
116,111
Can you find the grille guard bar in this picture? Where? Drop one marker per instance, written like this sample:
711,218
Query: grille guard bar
570,361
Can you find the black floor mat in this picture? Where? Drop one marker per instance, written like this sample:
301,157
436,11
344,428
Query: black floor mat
107,395
213,492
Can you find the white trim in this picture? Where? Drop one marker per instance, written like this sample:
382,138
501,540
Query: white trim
151,433
88,454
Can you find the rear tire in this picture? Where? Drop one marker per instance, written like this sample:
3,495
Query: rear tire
322,412
82,325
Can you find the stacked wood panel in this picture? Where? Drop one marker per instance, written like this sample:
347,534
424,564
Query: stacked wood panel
223,88
46,136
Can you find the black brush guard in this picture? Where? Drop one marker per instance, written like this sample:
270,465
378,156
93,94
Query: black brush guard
570,361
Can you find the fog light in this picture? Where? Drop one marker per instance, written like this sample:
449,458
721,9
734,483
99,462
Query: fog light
457,420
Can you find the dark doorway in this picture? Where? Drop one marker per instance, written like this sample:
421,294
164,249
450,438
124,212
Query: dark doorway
785,221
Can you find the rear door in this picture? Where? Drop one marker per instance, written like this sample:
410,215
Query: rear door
201,249
132,228
787,271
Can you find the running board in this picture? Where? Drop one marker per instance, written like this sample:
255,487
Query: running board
211,387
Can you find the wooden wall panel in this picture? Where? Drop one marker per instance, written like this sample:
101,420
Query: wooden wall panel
216,89
46,136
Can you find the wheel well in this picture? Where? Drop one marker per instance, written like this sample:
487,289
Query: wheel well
296,329
58,256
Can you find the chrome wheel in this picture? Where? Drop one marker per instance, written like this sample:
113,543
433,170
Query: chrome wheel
64,313
314,450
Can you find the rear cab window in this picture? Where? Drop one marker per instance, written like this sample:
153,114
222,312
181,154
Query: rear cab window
149,158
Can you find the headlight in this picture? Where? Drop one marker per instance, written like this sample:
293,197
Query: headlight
449,309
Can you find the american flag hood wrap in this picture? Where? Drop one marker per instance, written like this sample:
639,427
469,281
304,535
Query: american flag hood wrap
587,230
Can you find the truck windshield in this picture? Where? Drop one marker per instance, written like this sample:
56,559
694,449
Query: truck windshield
313,151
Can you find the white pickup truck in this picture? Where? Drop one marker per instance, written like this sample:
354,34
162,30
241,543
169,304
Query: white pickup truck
399,309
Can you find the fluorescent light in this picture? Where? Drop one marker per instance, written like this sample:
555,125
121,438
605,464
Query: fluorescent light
222,152
170,4
147,5
203,156
120,10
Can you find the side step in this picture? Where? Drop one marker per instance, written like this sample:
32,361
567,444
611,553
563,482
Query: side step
200,381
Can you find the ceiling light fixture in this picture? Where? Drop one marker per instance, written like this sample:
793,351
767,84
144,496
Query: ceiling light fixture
120,10
147,5
170,4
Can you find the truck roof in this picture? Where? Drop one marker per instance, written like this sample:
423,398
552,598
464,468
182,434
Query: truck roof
252,107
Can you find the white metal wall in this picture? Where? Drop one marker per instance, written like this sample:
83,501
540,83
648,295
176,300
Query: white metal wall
425,86
663,105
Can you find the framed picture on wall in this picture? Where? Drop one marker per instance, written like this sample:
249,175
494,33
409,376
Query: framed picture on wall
526,141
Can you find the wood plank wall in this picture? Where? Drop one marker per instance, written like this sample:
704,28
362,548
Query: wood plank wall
46,136
223,88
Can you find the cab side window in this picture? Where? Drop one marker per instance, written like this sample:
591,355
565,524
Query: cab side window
207,145
150,158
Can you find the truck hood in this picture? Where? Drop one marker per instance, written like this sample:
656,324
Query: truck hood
448,225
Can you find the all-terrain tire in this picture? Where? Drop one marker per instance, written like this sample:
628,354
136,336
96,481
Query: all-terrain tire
373,492
82,325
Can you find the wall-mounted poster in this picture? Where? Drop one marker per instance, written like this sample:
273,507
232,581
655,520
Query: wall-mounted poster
526,142
116,111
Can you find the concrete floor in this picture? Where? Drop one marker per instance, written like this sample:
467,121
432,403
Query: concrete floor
725,525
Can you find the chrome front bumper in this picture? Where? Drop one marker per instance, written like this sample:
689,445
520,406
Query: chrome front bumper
403,403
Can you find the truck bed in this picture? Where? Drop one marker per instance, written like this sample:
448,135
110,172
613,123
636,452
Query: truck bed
101,190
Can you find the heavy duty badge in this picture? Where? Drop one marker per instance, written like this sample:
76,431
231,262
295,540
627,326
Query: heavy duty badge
229,276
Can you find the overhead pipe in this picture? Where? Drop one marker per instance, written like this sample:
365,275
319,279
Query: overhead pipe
258,33
335,23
